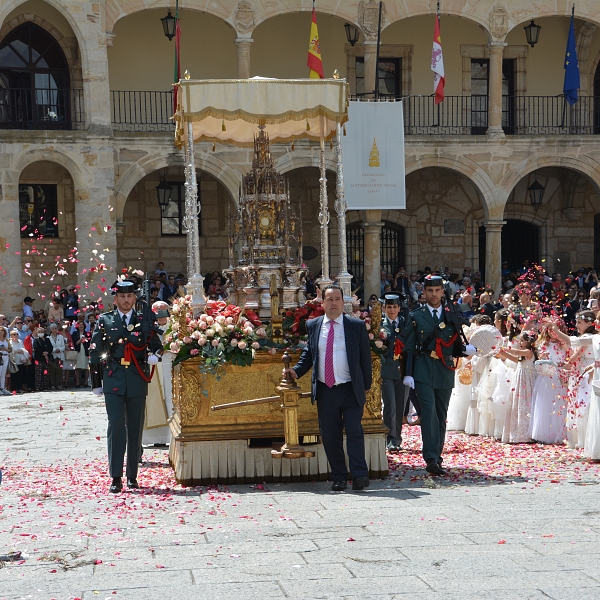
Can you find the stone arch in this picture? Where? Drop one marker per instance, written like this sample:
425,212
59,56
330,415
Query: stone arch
295,160
69,46
115,11
79,176
59,7
228,177
582,164
491,197
526,16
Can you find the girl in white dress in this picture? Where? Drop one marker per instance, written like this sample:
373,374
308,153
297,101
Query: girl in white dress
504,370
548,403
579,389
518,414
592,434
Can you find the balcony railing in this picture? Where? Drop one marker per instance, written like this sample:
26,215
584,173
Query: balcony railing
28,108
457,115
141,111
521,115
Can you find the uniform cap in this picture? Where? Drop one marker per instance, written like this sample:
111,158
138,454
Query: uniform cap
391,299
433,281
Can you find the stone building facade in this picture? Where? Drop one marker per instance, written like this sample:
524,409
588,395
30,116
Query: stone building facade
90,128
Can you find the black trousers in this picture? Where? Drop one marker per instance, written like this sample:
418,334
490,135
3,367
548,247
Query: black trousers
393,392
338,409
125,424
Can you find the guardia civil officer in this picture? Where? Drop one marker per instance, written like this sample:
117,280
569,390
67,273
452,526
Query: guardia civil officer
393,390
432,343
123,348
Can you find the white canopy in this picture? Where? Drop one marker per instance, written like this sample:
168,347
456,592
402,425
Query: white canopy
228,110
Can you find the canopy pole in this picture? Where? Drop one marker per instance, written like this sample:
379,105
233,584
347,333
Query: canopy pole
195,285
340,208
324,212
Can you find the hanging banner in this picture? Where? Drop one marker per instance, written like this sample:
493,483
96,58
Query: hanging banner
373,155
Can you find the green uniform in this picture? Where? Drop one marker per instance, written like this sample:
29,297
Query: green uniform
125,389
393,390
434,378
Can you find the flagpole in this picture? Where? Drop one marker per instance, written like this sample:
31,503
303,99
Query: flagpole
376,90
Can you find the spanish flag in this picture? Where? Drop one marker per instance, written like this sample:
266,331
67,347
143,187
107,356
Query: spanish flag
314,62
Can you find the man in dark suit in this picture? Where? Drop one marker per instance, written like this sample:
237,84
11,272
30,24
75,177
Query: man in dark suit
339,354
122,351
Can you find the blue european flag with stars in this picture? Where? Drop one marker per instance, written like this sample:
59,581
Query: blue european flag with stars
571,86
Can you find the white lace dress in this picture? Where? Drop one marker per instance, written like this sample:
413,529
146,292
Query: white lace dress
548,404
504,371
579,391
592,434
518,413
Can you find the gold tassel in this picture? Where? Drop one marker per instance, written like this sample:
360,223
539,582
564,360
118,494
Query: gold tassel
344,129
331,144
223,128
214,146
292,146
307,125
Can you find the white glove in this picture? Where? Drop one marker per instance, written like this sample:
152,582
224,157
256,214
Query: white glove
470,350
98,391
152,359
409,381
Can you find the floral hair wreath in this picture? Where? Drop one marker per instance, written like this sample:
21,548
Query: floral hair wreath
587,318
525,287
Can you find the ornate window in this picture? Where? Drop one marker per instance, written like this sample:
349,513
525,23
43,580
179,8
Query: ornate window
171,221
38,214
34,81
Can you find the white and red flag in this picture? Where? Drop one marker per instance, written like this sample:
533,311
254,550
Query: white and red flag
437,63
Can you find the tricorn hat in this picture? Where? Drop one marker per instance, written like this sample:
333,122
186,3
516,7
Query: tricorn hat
124,287
433,281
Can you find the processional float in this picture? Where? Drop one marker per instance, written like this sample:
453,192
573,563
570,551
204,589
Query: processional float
210,433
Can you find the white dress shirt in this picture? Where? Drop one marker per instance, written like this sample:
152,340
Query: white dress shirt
434,311
341,369
127,314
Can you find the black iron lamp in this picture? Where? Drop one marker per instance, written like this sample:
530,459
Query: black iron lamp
168,24
352,33
163,191
536,193
532,33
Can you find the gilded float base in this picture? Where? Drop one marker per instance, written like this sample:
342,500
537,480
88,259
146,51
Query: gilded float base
212,446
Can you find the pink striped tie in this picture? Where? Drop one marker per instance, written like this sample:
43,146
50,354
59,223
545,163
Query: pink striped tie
329,374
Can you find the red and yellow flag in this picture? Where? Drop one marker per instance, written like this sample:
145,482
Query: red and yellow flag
314,62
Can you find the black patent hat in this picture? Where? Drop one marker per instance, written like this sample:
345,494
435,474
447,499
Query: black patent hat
123,287
433,281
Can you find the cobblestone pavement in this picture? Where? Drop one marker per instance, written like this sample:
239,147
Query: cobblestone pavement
509,522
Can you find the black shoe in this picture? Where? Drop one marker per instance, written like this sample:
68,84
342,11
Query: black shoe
339,486
116,486
435,469
132,484
393,448
360,483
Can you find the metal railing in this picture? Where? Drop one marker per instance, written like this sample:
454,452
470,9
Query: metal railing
41,108
141,111
521,115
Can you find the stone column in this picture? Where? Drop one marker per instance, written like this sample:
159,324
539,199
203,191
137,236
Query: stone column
243,46
96,236
370,72
493,254
11,271
495,90
372,250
